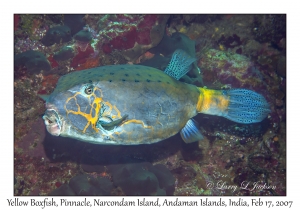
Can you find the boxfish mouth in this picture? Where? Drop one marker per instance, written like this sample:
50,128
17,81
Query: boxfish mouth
52,122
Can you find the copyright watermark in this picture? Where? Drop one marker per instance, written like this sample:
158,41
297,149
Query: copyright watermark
245,185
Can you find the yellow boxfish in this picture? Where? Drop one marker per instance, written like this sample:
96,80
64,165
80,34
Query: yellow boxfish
135,104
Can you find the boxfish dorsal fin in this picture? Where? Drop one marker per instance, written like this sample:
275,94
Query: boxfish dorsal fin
179,65
190,132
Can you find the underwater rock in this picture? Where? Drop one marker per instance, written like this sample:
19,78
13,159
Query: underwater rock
64,53
270,28
184,173
80,184
177,40
187,19
281,66
55,18
83,36
57,35
230,41
131,35
143,179
85,185
62,190
34,61
165,178
89,164
74,22
135,180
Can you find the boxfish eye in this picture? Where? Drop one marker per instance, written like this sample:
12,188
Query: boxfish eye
89,90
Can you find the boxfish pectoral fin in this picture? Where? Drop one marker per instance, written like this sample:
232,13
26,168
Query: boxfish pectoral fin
112,124
44,97
190,132
179,65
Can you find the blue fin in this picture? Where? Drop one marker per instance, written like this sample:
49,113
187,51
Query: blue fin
44,97
190,132
246,106
179,65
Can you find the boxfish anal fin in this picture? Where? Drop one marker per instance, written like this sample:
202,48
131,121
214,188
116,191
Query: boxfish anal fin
190,132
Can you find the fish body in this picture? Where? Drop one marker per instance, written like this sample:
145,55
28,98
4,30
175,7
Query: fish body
134,104
157,105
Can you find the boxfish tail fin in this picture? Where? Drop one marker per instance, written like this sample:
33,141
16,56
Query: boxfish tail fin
238,105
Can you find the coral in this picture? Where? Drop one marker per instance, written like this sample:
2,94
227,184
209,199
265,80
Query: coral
16,21
143,179
82,55
74,22
48,83
29,25
64,189
57,34
269,28
230,68
23,45
32,150
85,185
52,61
281,66
188,19
34,61
89,63
89,165
165,178
64,53
47,165
230,42
131,35
83,36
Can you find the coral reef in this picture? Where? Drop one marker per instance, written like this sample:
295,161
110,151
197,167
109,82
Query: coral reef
34,61
57,35
83,36
82,55
74,22
135,179
131,35
143,179
85,185
230,68
232,51
63,54
270,28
